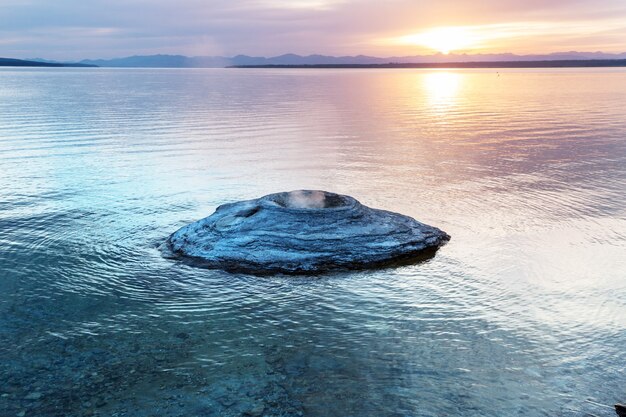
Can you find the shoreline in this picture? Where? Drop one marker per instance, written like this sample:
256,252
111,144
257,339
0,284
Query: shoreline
583,63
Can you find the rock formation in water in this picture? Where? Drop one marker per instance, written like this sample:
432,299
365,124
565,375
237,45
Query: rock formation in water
304,232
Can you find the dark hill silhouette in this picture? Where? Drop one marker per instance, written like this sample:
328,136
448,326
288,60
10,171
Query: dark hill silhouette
11,62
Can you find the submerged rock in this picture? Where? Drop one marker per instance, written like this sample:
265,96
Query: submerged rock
304,232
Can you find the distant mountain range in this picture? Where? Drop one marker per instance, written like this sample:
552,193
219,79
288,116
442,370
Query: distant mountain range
180,61
293,60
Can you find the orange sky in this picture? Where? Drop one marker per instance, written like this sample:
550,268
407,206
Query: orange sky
521,37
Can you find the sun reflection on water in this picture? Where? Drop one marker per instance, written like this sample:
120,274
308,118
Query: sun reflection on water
442,88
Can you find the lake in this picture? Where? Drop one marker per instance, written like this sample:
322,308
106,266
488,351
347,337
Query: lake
522,313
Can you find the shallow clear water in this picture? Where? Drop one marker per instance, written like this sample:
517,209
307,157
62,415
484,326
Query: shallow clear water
522,313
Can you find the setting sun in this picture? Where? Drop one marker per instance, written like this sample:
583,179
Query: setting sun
442,40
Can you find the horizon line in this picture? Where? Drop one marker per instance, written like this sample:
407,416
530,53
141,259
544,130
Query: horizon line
356,55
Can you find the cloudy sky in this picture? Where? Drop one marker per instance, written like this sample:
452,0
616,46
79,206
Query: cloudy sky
77,29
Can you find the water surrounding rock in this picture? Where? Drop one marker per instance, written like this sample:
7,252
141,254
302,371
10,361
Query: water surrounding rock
304,232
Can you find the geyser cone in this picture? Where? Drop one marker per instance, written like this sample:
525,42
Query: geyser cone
304,232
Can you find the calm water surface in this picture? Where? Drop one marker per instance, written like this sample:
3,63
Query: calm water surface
522,313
